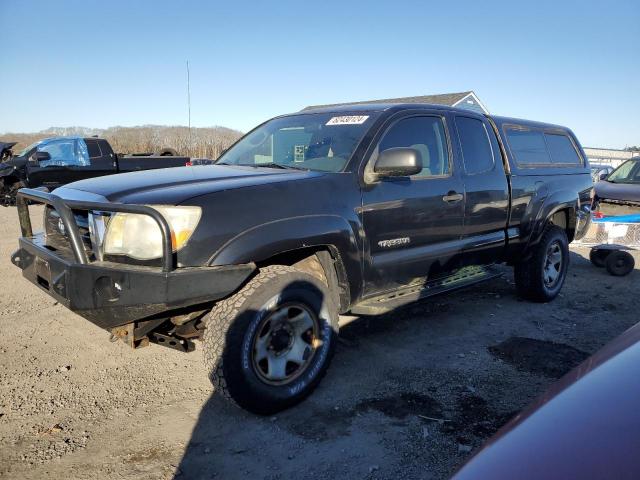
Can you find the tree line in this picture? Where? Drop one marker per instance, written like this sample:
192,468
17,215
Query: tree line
207,142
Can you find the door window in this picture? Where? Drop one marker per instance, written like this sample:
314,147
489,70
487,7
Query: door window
427,136
476,146
65,152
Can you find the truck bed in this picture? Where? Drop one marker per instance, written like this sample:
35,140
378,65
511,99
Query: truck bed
137,162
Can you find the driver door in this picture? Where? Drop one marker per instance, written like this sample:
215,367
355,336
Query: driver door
413,225
68,162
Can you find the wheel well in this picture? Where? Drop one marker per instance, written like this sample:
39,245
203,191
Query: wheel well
324,263
10,180
566,220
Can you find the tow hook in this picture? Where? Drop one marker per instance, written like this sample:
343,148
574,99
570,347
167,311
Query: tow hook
140,334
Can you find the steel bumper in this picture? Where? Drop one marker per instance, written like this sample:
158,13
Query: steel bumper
114,294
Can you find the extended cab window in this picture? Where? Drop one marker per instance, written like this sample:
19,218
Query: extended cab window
105,148
476,145
561,149
427,136
92,147
527,146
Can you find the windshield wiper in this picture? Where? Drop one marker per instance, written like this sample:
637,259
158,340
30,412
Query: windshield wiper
271,165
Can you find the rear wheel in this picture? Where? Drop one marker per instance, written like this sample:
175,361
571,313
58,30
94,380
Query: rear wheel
620,263
540,278
269,345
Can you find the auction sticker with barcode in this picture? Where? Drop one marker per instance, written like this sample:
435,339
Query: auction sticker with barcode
348,120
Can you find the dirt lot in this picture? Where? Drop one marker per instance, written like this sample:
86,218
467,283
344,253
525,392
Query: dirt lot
74,405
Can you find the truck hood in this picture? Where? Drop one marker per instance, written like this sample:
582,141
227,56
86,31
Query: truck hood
618,191
172,186
6,146
16,162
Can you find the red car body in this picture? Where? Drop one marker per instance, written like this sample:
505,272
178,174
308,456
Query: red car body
587,426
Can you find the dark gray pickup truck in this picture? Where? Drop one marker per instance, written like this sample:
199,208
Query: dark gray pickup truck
356,209
56,161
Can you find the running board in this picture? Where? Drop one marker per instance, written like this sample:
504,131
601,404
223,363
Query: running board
405,295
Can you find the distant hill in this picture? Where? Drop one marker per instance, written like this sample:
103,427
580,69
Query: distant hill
72,131
200,142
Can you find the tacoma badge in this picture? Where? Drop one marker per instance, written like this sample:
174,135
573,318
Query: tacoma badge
394,242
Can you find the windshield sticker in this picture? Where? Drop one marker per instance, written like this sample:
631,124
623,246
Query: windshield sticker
348,120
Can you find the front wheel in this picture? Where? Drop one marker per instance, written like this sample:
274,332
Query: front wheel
540,278
269,345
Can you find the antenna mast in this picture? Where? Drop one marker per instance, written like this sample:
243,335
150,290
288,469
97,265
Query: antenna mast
189,101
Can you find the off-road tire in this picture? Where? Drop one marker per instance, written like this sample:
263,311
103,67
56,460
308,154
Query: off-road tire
232,325
620,263
598,256
529,274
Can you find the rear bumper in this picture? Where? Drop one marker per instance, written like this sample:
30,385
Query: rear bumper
583,221
110,295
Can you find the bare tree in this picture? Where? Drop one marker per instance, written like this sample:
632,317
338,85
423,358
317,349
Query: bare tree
205,142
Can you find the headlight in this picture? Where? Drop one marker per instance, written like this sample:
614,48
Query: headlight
139,236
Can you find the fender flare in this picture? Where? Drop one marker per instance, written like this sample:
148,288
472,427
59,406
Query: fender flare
557,201
264,241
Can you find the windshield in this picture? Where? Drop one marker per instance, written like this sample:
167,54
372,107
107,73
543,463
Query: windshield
322,142
628,172
26,150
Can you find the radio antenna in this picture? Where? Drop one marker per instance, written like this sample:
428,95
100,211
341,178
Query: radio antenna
189,102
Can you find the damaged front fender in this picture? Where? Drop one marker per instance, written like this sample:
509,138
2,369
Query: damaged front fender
9,186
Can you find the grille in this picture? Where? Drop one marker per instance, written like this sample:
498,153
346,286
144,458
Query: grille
58,237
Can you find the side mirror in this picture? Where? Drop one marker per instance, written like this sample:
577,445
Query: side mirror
42,156
604,175
398,162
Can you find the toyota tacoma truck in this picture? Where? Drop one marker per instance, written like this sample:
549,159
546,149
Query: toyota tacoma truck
353,208
55,161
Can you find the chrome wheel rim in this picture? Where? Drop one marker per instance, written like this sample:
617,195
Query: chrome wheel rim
285,343
553,265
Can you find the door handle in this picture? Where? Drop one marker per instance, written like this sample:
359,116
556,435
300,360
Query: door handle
452,197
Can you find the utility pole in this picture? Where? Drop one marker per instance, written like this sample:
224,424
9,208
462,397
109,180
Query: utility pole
189,102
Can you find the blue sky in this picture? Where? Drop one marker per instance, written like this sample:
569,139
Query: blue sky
105,63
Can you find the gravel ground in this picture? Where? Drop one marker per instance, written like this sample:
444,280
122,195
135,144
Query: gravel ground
409,395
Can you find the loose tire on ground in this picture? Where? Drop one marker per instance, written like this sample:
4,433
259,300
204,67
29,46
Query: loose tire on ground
598,256
535,281
234,339
168,152
620,263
